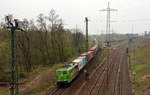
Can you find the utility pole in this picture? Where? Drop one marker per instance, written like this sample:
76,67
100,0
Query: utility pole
14,90
108,34
86,44
112,33
134,65
129,45
86,20
133,55
134,46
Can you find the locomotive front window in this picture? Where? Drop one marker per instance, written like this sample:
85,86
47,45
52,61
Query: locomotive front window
64,72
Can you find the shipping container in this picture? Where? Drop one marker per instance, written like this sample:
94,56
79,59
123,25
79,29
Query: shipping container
79,62
90,55
84,54
94,49
84,59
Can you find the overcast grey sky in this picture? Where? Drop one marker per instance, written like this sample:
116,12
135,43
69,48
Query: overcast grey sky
130,12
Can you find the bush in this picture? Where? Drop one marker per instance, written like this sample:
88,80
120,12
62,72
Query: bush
4,76
23,74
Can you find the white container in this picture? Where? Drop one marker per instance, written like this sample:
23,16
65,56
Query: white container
79,62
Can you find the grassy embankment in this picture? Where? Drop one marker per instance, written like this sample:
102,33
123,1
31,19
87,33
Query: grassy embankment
35,82
142,64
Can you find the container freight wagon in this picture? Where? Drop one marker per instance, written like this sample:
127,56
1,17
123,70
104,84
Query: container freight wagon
94,49
79,62
89,55
66,73
84,59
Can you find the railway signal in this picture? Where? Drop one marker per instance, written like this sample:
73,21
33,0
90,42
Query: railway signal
134,65
12,27
127,51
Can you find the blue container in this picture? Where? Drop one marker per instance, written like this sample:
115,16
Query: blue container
84,58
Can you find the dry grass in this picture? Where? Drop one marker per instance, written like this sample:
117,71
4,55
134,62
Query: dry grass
44,80
142,67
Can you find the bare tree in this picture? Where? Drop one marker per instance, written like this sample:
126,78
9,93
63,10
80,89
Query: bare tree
43,33
54,22
24,45
78,40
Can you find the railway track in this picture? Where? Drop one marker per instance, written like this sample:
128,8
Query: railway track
102,73
121,82
115,89
109,87
56,91
99,81
125,80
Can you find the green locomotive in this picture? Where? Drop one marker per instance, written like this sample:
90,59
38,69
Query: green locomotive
66,73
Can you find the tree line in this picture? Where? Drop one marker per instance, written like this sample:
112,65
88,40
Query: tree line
44,41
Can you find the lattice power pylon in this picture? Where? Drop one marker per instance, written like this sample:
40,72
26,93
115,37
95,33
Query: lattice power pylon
108,10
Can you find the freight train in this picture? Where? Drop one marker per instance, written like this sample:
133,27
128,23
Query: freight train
70,71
